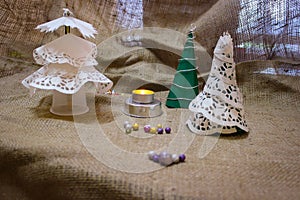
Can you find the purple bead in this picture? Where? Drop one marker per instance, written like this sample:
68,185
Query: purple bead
147,128
181,158
168,130
155,158
160,131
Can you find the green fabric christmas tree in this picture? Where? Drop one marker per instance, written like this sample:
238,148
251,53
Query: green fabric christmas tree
185,84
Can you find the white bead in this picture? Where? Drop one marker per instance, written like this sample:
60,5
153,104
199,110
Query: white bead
175,158
125,124
128,126
151,154
165,158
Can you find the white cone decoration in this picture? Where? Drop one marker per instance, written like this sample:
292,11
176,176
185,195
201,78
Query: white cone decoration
68,63
219,106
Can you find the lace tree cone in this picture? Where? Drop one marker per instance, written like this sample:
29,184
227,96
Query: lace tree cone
68,63
219,106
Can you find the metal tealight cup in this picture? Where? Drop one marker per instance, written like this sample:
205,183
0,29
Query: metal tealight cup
143,96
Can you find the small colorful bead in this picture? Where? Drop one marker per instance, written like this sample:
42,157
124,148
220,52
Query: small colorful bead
155,158
165,158
151,154
147,128
159,126
181,158
125,124
160,131
128,131
128,128
153,130
135,127
175,158
168,130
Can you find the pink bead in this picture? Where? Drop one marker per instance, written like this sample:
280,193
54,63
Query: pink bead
147,128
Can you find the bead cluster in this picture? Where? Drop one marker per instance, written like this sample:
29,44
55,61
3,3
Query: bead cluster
165,158
147,128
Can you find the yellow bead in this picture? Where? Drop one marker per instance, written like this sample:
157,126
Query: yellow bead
135,127
159,126
153,130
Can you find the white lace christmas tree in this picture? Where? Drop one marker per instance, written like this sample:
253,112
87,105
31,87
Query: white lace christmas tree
68,63
219,107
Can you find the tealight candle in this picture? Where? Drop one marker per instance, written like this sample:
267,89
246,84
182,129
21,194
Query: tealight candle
143,96
143,92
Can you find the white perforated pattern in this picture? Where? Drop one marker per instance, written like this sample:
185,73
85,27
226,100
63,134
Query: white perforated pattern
66,78
220,105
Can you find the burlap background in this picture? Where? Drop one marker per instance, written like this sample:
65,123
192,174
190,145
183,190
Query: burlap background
42,156
261,29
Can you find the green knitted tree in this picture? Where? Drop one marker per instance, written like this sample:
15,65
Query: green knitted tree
185,84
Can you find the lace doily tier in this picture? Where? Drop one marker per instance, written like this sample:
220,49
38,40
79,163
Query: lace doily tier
69,49
217,111
229,93
223,70
66,79
203,126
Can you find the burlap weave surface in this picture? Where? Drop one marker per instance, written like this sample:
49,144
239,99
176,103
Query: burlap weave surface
42,156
